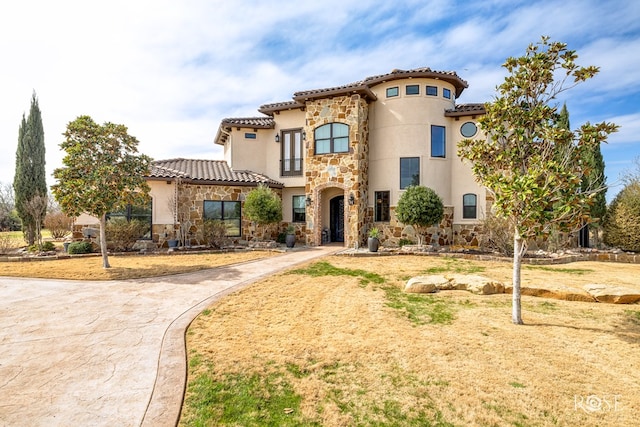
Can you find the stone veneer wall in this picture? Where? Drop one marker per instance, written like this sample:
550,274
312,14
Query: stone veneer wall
191,199
346,171
394,231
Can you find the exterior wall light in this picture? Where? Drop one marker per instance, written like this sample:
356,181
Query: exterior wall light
308,200
352,199
277,137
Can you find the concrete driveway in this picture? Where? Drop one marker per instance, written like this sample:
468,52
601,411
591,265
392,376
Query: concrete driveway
75,353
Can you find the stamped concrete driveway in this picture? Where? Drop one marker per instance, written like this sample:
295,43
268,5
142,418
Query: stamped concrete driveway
75,353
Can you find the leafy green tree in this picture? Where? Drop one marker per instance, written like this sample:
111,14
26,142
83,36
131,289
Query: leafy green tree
529,161
420,207
102,172
263,206
30,176
622,224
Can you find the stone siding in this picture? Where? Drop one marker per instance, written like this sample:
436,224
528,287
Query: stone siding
345,171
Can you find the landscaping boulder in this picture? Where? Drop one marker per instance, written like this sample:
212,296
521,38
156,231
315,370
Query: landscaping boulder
613,294
476,284
559,292
425,284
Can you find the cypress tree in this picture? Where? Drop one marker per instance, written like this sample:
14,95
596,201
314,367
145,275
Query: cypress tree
592,179
29,180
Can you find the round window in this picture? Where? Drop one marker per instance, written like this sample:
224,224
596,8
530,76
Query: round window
468,129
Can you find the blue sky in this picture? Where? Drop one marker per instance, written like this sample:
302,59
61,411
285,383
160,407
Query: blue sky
171,70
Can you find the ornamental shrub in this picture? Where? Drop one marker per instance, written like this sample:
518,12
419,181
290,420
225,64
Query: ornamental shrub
622,221
420,207
80,248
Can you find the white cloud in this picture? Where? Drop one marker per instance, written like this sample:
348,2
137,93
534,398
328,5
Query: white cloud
171,71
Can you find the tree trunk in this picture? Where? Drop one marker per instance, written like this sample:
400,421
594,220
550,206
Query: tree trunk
103,241
519,247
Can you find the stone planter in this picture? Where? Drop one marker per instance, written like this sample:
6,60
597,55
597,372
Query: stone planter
290,240
172,243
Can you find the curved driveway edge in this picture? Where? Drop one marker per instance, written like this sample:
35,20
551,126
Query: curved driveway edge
108,353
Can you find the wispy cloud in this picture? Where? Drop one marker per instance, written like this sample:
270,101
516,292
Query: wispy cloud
171,71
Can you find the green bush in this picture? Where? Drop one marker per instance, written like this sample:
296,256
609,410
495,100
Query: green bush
622,221
420,207
123,234
46,247
80,248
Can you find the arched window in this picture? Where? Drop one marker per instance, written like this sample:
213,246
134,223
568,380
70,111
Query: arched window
332,138
469,206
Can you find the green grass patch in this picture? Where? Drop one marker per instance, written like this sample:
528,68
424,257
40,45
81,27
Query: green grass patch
244,400
516,384
419,308
575,271
633,315
324,268
455,265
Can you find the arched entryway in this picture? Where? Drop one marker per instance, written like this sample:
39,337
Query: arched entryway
336,218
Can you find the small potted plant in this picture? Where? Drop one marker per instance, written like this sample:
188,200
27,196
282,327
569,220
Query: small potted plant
290,239
374,239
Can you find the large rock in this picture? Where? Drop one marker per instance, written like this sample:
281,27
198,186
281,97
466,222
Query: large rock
560,292
476,284
472,283
613,294
425,284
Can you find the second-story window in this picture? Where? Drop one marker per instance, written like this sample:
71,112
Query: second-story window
332,138
438,141
291,153
409,171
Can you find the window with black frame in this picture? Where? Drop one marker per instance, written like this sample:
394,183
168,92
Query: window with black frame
469,206
382,206
332,138
438,141
136,213
229,212
409,171
291,152
299,206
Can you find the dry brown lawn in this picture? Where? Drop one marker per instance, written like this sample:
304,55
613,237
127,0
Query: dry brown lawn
125,266
354,359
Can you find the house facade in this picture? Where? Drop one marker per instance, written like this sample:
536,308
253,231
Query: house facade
346,154
340,158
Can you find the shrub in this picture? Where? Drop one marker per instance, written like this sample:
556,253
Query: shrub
123,234
497,235
215,233
8,243
263,206
80,248
46,247
58,223
622,221
404,241
420,207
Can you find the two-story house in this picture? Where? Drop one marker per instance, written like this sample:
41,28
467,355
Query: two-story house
345,154
340,158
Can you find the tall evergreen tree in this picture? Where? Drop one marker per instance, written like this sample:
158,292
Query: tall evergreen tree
29,180
593,178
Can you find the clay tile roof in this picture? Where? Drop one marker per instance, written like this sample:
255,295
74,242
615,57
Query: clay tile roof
466,110
279,106
364,86
207,171
250,122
